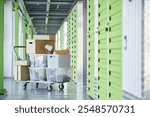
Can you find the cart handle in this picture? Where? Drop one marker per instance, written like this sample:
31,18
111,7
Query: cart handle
14,48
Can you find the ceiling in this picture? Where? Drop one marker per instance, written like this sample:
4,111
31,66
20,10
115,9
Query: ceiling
48,15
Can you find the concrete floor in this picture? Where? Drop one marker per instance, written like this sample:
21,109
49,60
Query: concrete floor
70,92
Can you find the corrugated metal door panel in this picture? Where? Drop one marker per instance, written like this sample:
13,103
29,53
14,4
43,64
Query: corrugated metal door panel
115,44
102,49
65,36
69,32
74,42
62,37
91,36
132,51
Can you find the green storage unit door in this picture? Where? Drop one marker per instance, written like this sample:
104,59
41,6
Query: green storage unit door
69,32
91,33
102,49
62,37
115,49
72,39
75,43
58,40
72,56
73,48
110,49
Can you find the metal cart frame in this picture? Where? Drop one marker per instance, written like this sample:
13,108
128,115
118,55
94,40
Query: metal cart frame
49,87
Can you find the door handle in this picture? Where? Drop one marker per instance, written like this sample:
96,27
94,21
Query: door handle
125,39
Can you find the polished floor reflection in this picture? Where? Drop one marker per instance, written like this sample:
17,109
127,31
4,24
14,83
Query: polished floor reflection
15,91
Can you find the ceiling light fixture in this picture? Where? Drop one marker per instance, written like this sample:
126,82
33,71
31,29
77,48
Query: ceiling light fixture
57,7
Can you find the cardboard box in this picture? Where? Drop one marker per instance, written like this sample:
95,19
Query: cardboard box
22,73
20,62
38,46
52,37
30,47
62,52
44,37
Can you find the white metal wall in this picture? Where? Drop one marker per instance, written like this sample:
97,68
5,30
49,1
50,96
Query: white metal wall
80,62
8,37
132,48
147,49
13,54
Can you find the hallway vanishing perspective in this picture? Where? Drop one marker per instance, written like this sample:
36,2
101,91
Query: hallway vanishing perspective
74,49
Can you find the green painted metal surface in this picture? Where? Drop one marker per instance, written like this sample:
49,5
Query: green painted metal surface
72,37
29,32
2,90
109,49
16,43
69,32
62,37
115,49
58,39
74,41
91,36
102,50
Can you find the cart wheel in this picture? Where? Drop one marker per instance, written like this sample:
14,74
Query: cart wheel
37,85
61,86
25,86
50,88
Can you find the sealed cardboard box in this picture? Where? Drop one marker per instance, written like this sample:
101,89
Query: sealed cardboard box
30,47
52,37
44,37
63,52
41,37
21,73
20,62
38,46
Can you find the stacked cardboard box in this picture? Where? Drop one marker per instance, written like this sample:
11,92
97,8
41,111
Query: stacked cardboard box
44,37
62,52
37,46
22,71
